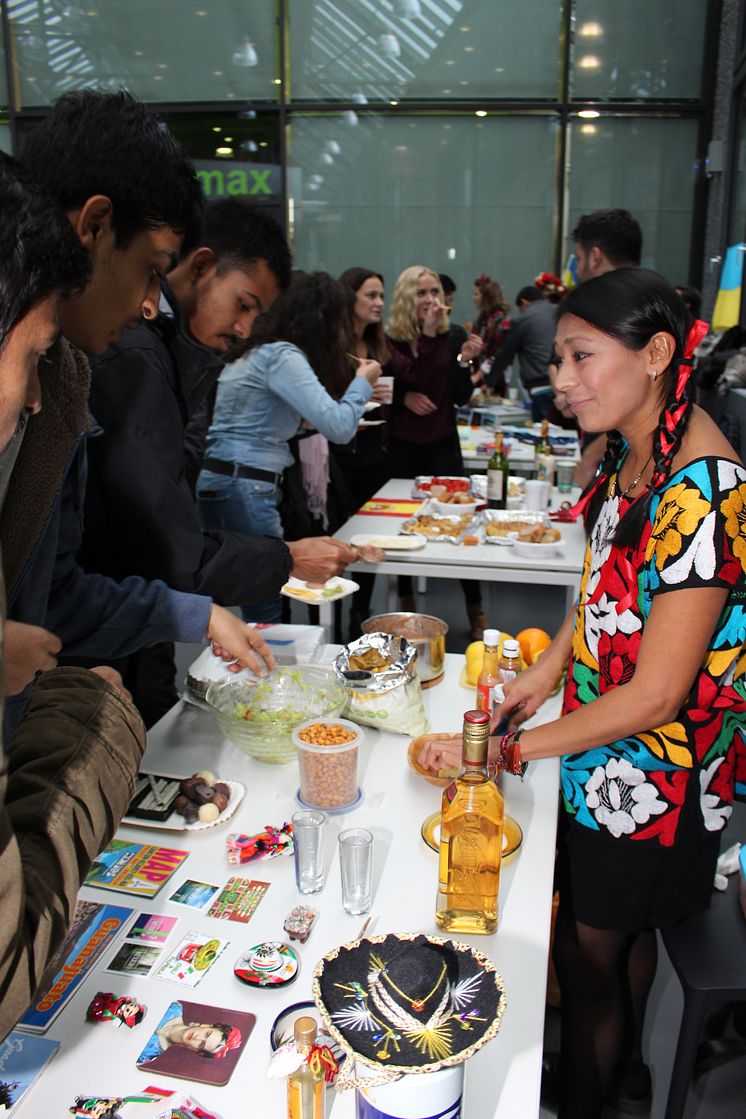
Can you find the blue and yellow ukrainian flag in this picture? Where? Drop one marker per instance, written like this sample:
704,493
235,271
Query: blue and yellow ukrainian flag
570,273
728,302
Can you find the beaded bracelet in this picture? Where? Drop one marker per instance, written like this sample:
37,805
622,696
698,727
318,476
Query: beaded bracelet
510,753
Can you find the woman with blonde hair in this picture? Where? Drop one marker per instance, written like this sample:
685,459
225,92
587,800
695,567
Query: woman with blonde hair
431,381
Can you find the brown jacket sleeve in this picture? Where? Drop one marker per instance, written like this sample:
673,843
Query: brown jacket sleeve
64,785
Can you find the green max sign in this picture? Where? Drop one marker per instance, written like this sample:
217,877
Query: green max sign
221,179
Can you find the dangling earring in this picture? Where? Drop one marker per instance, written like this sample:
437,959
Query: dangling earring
655,374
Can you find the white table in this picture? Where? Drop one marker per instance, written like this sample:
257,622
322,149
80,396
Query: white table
502,1080
493,563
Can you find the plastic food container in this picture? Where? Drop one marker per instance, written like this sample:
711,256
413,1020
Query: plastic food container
328,772
260,717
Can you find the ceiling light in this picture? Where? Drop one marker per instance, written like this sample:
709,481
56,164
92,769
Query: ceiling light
217,73
591,30
223,152
480,113
469,49
327,158
359,97
277,81
588,129
228,139
388,45
245,55
589,114
216,128
589,62
349,116
247,114
248,146
138,54
407,9
393,102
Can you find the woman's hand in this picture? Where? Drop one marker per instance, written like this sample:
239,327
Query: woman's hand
419,403
525,693
371,370
471,347
234,641
440,752
433,318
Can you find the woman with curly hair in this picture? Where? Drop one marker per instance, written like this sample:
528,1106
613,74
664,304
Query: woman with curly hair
491,323
655,700
428,386
292,371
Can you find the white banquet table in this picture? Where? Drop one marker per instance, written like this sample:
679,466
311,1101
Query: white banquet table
494,563
502,1080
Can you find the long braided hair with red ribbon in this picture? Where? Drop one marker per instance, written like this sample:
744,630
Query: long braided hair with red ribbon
631,305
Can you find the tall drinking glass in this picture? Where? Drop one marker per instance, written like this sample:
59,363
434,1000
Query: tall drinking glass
308,850
356,863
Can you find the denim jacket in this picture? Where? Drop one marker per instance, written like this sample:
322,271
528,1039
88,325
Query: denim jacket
262,399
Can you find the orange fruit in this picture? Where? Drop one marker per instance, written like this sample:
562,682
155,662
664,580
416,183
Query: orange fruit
533,642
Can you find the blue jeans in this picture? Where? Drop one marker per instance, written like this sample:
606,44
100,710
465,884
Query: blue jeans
243,505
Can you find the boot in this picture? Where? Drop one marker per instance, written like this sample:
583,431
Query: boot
407,604
477,620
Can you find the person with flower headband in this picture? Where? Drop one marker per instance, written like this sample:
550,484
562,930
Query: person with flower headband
655,701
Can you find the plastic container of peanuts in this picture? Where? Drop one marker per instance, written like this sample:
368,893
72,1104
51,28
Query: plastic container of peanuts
327,758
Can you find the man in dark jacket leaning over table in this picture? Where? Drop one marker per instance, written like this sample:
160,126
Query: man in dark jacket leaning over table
70,773
140,511
530,338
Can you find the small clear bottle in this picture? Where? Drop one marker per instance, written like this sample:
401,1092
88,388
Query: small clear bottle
306,1089
546,463
489,675
510,661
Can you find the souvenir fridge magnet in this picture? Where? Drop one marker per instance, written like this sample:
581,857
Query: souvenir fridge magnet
108,1007
270,964
299,922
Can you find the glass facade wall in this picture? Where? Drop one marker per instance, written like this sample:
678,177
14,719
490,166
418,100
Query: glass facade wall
390,132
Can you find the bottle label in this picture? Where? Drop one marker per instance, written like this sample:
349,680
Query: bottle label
495,481
451,791
507,674
486,697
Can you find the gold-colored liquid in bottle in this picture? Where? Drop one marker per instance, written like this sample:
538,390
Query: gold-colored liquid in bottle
471,835
306,1089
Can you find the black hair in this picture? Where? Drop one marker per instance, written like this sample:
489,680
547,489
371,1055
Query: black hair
312,314
615,232
240,234
446,283
631,305
692,300
528,294
109,143
373,334
39,252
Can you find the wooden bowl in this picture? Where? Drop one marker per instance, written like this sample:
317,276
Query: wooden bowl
413,750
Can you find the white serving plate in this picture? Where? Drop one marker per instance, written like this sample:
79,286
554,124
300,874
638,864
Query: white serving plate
535,551
176,822
389,543
299,590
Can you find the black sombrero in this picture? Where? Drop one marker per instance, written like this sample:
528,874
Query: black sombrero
407,1002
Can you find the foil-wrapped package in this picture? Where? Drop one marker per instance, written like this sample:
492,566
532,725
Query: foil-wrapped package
376,662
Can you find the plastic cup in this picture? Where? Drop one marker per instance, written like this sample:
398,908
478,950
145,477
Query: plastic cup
565,475
328,774
388,384
356,864
308,850
536,494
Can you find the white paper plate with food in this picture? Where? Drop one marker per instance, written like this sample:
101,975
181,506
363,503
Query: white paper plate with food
143,811
537,545
316,594
388,543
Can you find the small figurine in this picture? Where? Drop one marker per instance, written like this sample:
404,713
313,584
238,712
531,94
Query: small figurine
266,845
299,922
107,1006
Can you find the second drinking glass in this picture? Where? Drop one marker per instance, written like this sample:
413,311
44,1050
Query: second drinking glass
356,864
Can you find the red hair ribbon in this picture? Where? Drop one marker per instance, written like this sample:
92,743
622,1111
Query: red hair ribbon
697,331
482,281
232,1041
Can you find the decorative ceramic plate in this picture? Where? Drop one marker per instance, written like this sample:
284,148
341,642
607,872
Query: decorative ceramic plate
332,590
389,543
176,822
512,834
270,964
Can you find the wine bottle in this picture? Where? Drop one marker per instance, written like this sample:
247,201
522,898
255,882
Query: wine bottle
471,828
497,476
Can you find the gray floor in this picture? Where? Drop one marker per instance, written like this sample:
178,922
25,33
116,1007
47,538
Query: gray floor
720,1094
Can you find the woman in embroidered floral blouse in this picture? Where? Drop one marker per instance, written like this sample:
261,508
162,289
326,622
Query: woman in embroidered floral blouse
655,701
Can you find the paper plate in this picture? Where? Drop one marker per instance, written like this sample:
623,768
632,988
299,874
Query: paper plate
298,590
512,834
389,543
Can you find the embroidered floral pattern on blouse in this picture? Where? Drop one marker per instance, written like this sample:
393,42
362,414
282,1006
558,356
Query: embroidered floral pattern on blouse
696,537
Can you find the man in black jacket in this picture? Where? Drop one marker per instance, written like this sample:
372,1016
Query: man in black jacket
530,337
140,512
